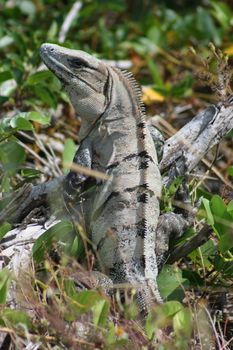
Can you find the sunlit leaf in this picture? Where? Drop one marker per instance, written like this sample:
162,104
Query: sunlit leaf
21,123
6,41
38,117
210,218
16,317
4,284
150,96
37,77
45,242
4,228
182,323
68,153
30,173
100,313
7,87
169,280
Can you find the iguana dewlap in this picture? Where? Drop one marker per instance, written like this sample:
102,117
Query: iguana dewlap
114,139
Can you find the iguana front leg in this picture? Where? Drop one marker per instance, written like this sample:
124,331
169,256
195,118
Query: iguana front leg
75,186
74,181
158,140
169,225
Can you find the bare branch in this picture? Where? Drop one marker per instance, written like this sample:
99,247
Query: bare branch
190,144
196,241
69,20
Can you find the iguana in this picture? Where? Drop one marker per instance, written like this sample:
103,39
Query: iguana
114,139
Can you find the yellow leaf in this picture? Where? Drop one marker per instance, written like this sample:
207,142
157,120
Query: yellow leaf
119,331
150,96
229,50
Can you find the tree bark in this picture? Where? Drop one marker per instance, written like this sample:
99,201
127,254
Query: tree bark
183,151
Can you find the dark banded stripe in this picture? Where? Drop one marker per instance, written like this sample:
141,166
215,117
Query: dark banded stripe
141,125
143,154
112,166
142,198
146,155
141,228
144,165
132,189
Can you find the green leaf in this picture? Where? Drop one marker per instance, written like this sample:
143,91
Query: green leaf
222,219
37,77
5,183
5,126
160,316
100,313
11,155
4,228
5,280
74,247
225,267
38,117
205,24
175,185
69,288
170,308
217,206
45,95
226,242
110,335
30,173
182,323
80,302
52,32
86,300
6,41
16,317
45,242
68,153
183,87
204,254
154,70
155,35
6,75
222,13
230,170
210,218
169,280
21,123
230,206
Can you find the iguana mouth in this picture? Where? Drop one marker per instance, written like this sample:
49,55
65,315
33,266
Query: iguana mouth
62,71
58,68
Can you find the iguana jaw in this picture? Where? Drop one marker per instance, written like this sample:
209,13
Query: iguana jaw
50,56
51,63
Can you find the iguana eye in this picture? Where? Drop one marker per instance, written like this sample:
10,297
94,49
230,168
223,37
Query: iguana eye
77,63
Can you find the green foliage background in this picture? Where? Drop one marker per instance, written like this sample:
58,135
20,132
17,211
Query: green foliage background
155,37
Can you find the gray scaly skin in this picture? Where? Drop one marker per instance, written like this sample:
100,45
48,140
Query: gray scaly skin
115,140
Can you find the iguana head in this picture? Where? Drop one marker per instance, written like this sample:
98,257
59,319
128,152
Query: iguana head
85,79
